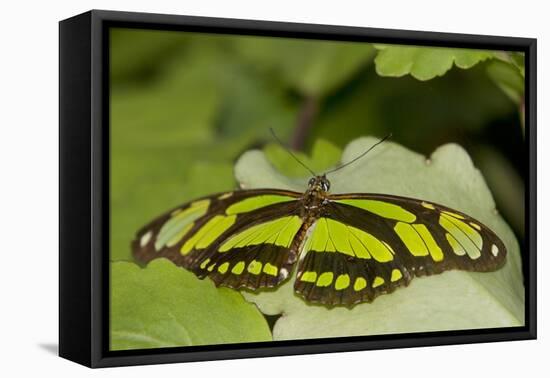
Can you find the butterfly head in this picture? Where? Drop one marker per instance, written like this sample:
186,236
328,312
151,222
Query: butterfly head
319,184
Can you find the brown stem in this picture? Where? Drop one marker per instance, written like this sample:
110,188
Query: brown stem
308,111
522,114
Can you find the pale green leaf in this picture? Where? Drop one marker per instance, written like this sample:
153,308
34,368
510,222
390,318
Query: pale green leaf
323,155
450,301
425,63
166,306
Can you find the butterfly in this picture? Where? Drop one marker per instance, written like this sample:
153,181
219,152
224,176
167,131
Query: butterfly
346,248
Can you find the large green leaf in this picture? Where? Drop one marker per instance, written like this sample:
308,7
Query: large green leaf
164,306
449,301
425,63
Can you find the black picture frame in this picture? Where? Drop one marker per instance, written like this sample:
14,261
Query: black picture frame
84,188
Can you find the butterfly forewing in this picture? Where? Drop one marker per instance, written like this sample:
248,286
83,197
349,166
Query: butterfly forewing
364,245
238,239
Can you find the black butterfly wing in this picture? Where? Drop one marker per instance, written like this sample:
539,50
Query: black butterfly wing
365,245
238,239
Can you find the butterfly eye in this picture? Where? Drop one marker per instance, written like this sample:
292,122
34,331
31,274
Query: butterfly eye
311,181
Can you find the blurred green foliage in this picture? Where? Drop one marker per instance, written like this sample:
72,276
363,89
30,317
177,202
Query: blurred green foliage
185,106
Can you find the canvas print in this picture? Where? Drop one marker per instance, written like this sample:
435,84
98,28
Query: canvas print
266,189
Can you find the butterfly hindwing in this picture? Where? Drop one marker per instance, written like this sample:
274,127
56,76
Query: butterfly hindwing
365,245
238,239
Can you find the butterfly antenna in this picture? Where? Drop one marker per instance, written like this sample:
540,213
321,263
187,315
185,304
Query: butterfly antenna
360,156
290,152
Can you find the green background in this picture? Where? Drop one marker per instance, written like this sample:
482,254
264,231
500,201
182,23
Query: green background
185,107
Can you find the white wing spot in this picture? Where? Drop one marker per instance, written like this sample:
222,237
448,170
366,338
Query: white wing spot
225,195
145,239
494,250
283,273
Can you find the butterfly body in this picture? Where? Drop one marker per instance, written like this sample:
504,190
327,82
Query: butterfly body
345,248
